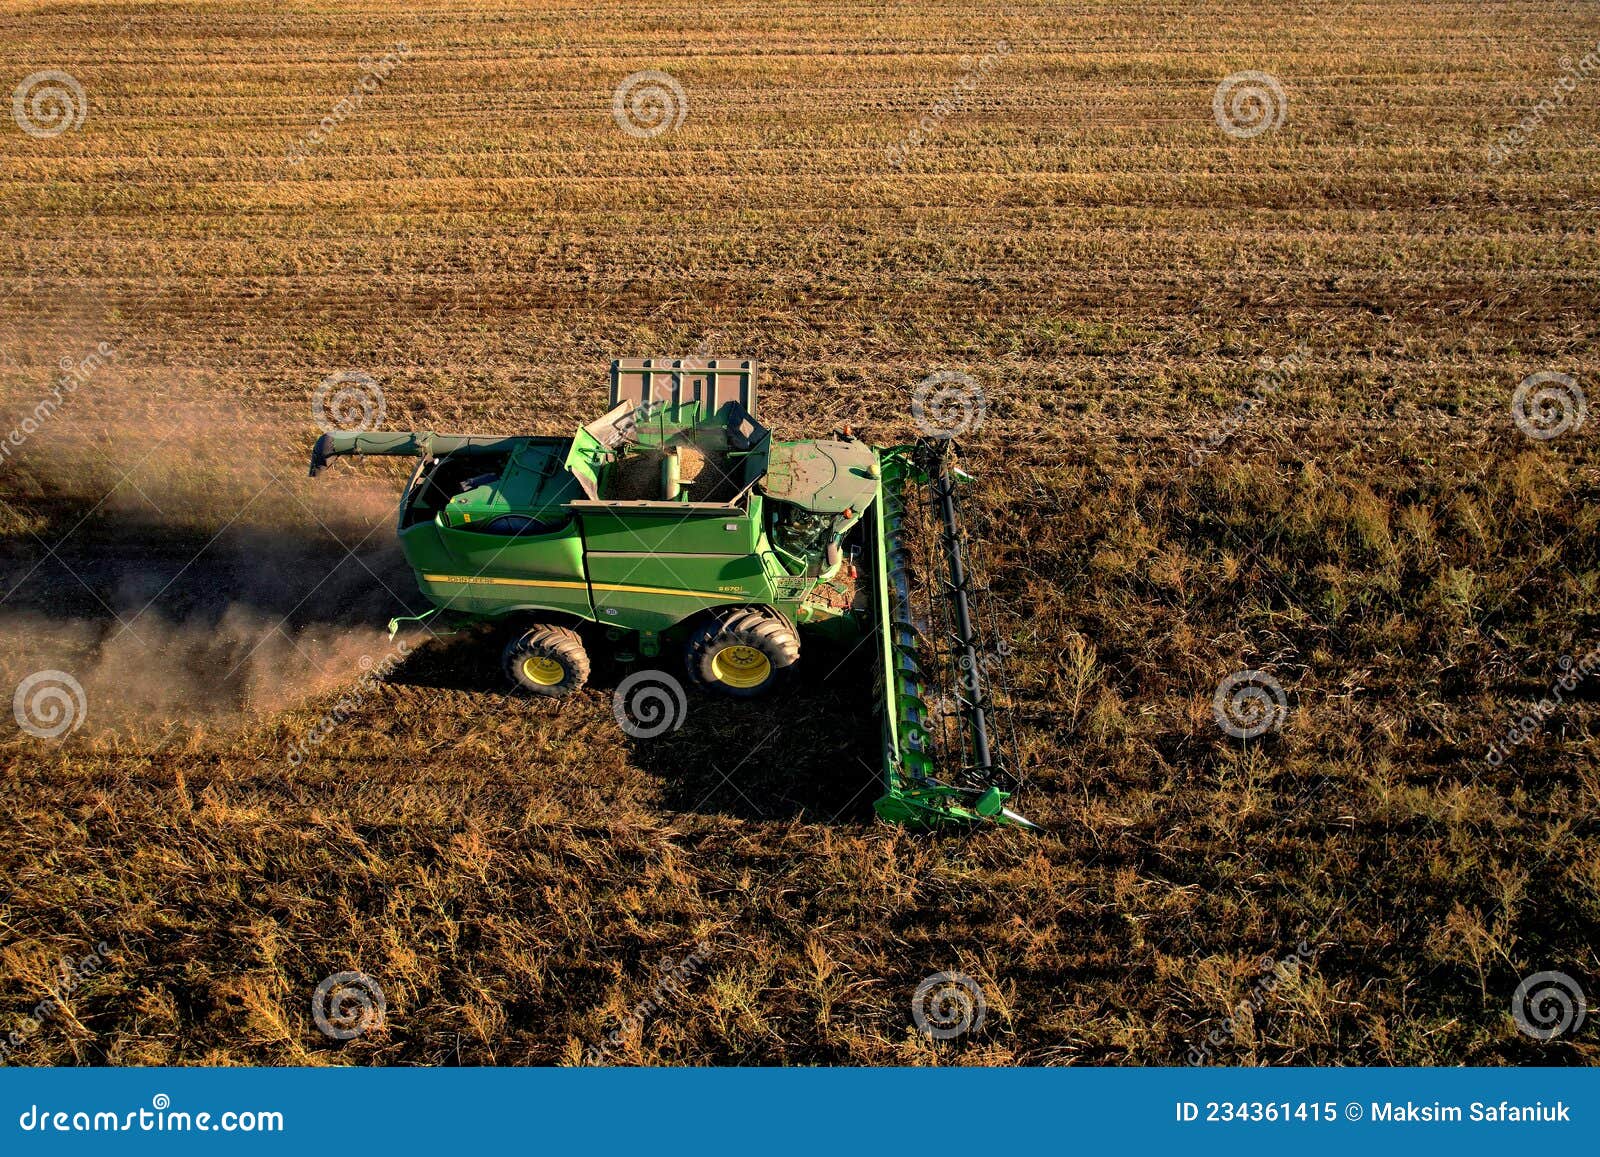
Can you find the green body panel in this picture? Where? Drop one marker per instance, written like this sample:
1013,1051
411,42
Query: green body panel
677,528
482,574
652,565
656,592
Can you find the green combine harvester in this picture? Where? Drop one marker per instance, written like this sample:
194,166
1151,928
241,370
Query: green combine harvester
676,525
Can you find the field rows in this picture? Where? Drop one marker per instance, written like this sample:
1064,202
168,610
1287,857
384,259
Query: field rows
1083,238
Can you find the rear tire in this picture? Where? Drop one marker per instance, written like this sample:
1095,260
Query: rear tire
548,661
742,653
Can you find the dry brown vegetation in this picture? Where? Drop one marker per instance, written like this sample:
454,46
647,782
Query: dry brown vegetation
1080,236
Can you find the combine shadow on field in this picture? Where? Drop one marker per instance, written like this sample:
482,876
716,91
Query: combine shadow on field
809,750
288,585
465,660
64,559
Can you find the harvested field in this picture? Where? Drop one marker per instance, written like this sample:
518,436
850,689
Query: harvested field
1247,407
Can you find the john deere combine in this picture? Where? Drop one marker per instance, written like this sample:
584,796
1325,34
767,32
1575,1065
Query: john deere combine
676,525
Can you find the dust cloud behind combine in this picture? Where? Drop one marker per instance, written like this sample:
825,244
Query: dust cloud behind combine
180,567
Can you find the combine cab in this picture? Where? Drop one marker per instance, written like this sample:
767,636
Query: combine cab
676,524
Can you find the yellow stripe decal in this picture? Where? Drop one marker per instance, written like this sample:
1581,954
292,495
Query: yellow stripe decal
665,591
481,580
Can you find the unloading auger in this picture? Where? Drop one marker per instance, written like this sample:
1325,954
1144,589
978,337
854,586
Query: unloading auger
675,527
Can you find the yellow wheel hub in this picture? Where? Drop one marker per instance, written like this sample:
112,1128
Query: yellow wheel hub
544,672
740,666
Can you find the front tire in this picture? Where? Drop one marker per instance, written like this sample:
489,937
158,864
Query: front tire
548,661
742,653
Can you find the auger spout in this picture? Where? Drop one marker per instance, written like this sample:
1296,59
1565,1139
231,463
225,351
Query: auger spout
413,445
